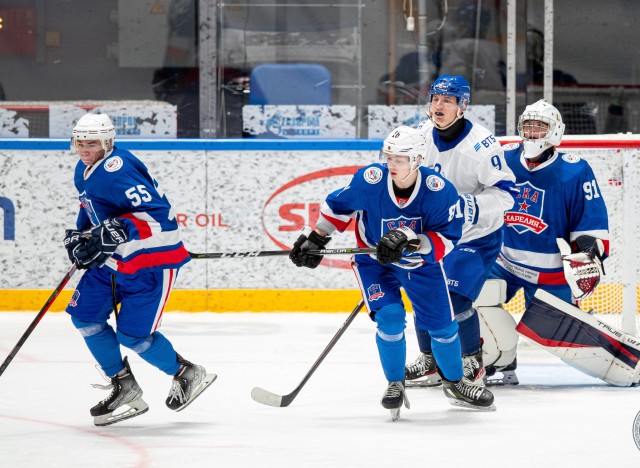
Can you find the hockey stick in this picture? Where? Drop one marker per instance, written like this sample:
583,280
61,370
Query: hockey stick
36,320
267,398
272,253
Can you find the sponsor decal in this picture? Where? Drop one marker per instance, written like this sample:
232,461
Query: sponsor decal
434,183
511,146
113,164
290,207
74,298
570,158
374,292
529,203
373,175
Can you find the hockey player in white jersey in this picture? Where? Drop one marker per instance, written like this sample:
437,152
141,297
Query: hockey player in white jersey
469,156
408,213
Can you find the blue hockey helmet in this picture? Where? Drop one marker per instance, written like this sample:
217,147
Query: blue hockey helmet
452,85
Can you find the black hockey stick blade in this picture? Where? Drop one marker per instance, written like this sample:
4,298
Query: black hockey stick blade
273,253
272,399
38,317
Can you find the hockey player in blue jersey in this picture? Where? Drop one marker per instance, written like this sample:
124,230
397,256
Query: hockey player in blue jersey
470,157
128,240
408,213
559,215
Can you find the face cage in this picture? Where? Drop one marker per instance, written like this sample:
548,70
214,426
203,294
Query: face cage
414,161
107,145
535,117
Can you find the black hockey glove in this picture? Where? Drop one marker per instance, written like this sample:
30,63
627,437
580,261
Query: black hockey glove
308,240
103,242
393,243
72,240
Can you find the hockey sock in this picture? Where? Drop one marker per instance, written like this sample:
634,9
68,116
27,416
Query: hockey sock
446,350
392,346
101,341
468,323
155,349
424,340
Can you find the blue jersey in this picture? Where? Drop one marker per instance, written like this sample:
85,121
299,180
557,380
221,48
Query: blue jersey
558,198
370,200
120,186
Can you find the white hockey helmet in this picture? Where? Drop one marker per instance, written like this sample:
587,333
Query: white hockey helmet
405,141
94,127
541,111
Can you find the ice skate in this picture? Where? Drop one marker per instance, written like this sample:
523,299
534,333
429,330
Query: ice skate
474,372
124,402
509,376
190,381
422,373
462,394
393,398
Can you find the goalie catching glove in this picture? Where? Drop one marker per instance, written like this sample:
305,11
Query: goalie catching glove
104,239
308,240
394,243
583,268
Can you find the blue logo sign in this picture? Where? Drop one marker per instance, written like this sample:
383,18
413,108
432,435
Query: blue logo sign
9,214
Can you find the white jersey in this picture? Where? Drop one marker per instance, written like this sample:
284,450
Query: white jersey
474,163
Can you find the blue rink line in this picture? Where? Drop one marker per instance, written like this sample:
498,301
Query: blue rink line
194,144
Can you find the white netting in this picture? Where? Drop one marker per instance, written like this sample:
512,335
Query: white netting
612,160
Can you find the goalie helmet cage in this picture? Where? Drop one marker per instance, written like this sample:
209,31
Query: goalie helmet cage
614,160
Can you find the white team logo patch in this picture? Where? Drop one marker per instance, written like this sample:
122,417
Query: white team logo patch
113,164
434,183
511,146
570,158
373,175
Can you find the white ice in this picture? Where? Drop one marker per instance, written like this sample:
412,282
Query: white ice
555,417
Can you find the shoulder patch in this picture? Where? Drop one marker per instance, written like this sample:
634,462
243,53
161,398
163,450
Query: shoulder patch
113,164
373,175
434,183
511,146
571,158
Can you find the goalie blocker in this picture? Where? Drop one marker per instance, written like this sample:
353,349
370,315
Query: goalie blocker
581,340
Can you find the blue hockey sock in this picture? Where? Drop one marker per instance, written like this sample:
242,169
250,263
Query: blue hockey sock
424,340
468,323
392,346
446,350
101,341
155,349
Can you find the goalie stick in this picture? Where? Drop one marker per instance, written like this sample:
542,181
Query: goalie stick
272,253
36,320
268,398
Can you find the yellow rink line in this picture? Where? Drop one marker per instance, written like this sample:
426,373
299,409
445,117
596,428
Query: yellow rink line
214,300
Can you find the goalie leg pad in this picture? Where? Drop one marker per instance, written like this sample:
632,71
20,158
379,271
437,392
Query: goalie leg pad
498,332
581,340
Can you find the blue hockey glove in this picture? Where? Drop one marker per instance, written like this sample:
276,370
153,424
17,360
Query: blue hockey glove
469,208
103,242
72,240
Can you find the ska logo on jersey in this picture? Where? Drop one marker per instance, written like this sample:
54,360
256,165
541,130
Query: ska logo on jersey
374,292
529,205
373,175
434,183
415,224
113,164
88,208
570,158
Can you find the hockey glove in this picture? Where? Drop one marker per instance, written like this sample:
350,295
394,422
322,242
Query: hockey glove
394,243
469,208
103,242
72,240
308,240
582,269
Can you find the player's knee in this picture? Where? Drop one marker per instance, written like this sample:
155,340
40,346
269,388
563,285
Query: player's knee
135,343
446,334
391,321
87,329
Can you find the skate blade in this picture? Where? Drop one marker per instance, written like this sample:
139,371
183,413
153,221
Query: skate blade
131,410
395,414
429,382
506,379
206,382
464,404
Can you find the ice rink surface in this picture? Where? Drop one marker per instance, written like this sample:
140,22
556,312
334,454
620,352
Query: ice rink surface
555,417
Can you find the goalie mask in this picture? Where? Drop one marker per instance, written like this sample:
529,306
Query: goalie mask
94,127
540,127
404,141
